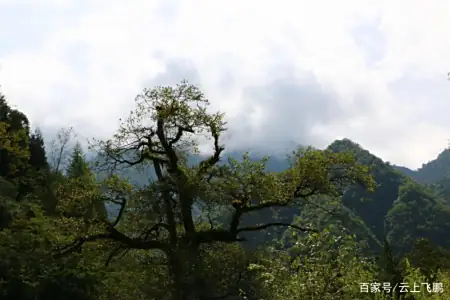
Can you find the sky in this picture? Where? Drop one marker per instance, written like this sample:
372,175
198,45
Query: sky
284,72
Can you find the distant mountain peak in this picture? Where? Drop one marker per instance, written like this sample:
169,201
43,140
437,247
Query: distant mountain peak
345,143
432,171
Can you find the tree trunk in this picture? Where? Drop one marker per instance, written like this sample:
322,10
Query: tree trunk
176,272
200,287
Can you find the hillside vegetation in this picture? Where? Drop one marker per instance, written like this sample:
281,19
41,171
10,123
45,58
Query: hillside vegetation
150,218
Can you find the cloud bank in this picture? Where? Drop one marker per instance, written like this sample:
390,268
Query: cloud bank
285,72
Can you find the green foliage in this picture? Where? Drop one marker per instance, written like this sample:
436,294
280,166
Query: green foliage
424,256
27,268
13,154
417,213
14,139
78,167
317,266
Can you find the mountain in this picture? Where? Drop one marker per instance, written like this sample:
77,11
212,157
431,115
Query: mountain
371,207
400,209
408,172
432,171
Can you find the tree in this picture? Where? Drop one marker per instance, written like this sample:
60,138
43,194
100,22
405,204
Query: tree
14,141
35,177
38,156
78,167
14,155
80,178
170,121
390,269
59,148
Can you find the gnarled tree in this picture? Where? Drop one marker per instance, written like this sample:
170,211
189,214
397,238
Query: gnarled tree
166,127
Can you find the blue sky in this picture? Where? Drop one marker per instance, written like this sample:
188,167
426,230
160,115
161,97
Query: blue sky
285,72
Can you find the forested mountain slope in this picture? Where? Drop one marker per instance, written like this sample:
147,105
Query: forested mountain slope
399,209
431,172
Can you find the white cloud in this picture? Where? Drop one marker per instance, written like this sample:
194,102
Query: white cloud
285,71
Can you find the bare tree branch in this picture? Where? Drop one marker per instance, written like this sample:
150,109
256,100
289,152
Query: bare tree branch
112,254
122,204
206,164
179,135
280,224
239,211
59,147
115,235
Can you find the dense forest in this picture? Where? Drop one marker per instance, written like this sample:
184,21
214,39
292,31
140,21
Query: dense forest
149,217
